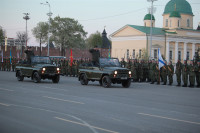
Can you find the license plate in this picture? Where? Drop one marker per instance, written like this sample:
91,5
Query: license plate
123,77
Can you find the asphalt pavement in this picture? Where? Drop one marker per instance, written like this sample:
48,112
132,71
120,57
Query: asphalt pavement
69,107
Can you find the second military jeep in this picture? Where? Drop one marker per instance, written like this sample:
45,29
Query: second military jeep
39,68
106,71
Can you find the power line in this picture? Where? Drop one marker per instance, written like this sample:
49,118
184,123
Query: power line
114,15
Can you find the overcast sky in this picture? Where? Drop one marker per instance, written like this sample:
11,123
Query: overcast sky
92,14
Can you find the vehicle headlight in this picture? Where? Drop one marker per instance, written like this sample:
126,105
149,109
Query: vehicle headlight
58,69
43,69
129,72
115,72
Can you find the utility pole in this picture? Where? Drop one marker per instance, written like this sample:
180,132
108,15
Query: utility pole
150,54
26,17
48,14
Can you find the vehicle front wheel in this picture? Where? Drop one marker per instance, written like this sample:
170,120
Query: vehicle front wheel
36,77
106,82
83,79
126,83
20,77
56,79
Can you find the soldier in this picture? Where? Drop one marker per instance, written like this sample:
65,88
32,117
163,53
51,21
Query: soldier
149,74
146,71
67,67
178,72
185,73
1,65
157,72
164,73
152,68
192,74
29,54
134,69
170,72
198,73
95,55
123,63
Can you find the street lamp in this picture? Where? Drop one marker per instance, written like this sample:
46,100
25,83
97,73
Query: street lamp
48,14
26,17
151,25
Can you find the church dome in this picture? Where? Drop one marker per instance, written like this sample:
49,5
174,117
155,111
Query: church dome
175,14
148,17
182,6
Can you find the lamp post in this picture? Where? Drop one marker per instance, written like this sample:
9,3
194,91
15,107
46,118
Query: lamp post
48,14
26,17
151,27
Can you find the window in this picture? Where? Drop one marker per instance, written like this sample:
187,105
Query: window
170,23
133,53
155,54
188,55
188,23
166,23
170,55
127,54
140,53
178,23
179,55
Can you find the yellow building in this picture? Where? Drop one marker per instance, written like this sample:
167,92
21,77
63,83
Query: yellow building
176,40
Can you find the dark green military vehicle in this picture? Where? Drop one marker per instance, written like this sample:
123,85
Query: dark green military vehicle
106,71
39,68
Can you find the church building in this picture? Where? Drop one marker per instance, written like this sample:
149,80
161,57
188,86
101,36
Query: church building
177,39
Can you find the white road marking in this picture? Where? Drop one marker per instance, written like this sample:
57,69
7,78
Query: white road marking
168,118
6,89
74,122
4,104
63,100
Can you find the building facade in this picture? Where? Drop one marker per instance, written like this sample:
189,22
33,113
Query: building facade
177,39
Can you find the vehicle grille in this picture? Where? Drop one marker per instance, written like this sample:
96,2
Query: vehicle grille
51,70
122,72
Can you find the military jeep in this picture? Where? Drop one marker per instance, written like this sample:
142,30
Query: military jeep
106,71
39,68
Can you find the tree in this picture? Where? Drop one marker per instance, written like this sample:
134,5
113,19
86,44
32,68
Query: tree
21,37
40,32
67,33
94,39
2,35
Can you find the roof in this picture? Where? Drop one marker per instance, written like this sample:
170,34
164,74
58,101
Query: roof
182,6
155,30
175,14
148,17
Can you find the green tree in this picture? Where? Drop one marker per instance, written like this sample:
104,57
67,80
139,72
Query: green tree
2,35
94,39
40,32
67,33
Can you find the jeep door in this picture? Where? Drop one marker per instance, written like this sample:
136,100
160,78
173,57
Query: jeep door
96,73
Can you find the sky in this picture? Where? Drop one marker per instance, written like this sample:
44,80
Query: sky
94,15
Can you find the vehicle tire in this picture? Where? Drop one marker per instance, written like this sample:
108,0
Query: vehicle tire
20,77
106,82
36,77
83,79
126,83
56,79
100,82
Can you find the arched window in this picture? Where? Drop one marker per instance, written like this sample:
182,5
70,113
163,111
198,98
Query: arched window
178,23
166,23
188,23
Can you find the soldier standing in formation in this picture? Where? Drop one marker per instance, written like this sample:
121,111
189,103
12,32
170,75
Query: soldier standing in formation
170,73
152,68
123,63
157,72
164,73
185,73
178,72
191,74
198,74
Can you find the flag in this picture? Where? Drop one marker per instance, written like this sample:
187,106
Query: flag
2,56
71,58
109,53
160,59
10,57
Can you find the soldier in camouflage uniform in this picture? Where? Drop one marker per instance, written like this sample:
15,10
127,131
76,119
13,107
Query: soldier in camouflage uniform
178,72
198,74
123,63
170,72
134,69
164,73
192,74
157,72
149,74
141,71
152,68
1,65
185,73
146,71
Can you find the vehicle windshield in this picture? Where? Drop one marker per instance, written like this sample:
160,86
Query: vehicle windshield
40,60
109,62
